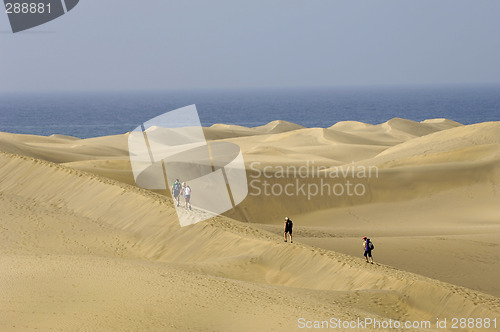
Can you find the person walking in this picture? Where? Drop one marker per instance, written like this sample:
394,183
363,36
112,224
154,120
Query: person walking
288,228
368,246
187,195
176,190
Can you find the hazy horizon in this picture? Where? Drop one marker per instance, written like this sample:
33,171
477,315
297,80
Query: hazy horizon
262,88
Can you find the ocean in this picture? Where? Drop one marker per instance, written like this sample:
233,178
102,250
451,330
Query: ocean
92,114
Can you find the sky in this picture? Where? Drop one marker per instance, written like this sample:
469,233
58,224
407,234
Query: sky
200,44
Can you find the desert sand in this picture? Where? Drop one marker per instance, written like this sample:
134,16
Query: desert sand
83,248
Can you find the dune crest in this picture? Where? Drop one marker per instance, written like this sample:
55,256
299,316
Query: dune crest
278,126
350,125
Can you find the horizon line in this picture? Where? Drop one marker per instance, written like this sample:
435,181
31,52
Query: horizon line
260,88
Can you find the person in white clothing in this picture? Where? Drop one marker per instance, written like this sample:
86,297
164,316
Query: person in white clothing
187,195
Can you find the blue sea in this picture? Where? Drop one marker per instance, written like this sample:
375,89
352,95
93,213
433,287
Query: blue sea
92,114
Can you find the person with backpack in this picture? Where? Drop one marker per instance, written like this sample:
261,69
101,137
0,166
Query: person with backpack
176,190
368,246
288,228
187,195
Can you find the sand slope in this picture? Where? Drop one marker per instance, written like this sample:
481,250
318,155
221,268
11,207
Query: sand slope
104,249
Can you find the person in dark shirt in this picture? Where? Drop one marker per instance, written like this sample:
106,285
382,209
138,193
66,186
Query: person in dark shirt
288,228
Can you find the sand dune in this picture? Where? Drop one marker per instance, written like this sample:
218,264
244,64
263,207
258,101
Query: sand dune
347,126
442,123
82,248
221,131
419,167
278,126
60,149
407,128
445,141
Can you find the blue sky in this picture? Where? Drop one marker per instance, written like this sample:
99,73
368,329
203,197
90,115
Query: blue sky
160,44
